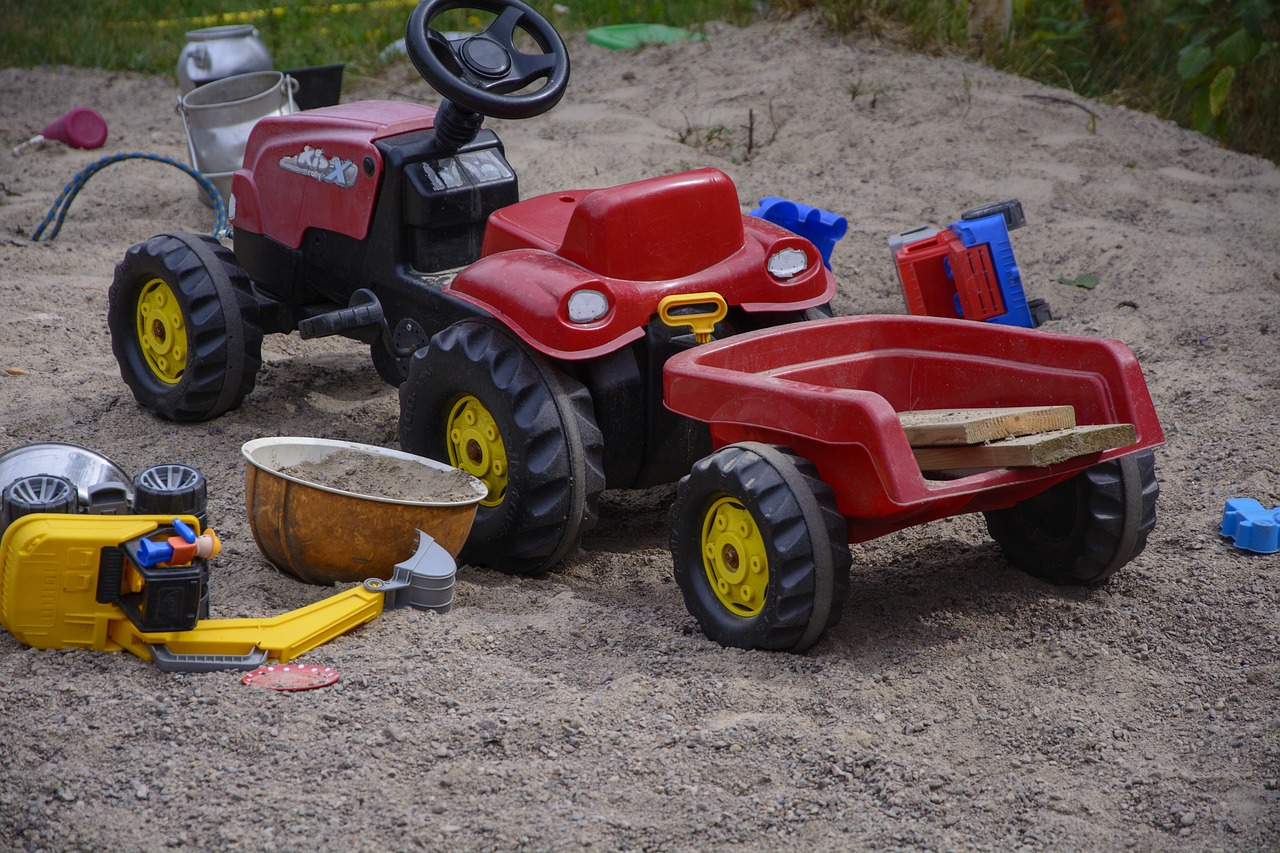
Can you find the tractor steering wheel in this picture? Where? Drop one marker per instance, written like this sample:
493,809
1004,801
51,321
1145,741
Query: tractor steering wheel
483,72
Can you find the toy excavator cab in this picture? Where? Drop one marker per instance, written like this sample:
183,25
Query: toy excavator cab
66,580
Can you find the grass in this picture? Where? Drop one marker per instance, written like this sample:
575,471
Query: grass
1209,64
1213,65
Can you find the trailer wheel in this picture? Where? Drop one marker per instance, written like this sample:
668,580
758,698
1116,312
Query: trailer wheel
184,327
478,399
760,550
1081,531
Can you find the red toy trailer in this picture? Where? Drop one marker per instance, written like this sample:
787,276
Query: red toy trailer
812,454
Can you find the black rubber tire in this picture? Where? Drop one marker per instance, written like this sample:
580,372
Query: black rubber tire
171,489
546,422
1081,531
805,539
36,493
220,316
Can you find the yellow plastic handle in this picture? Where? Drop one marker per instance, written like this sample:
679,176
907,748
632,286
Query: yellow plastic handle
703,323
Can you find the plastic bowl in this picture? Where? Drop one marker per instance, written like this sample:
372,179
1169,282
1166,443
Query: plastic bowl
326,535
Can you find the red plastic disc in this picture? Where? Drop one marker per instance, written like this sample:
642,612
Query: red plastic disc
291,676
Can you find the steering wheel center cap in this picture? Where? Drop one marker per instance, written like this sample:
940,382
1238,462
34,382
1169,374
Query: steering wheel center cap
486,57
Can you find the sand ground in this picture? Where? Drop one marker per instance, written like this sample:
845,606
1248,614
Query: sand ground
959,704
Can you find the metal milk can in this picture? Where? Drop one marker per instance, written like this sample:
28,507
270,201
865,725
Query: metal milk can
217,52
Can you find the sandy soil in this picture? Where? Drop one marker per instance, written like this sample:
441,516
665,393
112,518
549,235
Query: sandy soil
959,704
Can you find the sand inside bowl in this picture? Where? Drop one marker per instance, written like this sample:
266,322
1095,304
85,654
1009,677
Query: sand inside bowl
386,477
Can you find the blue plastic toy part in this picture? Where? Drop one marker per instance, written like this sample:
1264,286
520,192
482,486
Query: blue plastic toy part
152,553
820,227
1251,526
184,530
993,230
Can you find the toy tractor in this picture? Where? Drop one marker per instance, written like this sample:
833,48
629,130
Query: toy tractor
528,338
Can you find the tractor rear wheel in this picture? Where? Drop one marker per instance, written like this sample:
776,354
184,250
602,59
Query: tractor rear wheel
479,399
760,550
1082,530
184,327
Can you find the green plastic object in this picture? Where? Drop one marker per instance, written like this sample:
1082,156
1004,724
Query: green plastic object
625,36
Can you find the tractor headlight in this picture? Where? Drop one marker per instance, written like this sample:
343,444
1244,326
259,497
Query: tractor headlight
787,263
587,306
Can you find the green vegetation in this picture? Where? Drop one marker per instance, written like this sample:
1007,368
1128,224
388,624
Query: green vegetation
1213,65
1209,64
147,35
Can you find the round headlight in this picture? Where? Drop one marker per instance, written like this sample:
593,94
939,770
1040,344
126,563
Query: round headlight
587,306
787,263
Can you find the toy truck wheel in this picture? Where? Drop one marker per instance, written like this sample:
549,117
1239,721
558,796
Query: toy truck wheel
1081,531
760,550
37,493
479,399
171,489
184,327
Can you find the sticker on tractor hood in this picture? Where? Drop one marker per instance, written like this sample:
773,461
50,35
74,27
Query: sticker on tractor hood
328,170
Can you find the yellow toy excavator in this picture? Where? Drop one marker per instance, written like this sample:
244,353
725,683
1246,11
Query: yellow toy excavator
137,582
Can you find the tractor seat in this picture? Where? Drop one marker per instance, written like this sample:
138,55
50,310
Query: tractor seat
657,229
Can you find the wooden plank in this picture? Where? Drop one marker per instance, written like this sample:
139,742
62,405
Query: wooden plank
934,427
1037,451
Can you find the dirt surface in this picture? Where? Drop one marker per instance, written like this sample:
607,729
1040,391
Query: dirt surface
386,477
959,704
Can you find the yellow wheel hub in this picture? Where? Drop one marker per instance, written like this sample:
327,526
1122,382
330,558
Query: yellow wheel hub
733,555
162,331
475,446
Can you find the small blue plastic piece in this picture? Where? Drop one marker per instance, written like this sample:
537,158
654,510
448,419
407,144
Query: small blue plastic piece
184,530
820,227
1251,526
994,231
152,553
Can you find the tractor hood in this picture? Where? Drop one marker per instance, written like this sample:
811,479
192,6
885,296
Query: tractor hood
318,169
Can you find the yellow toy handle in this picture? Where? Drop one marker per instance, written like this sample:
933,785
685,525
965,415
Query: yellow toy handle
279,638
703,323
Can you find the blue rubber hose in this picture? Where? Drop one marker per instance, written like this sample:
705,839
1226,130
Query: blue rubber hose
58,213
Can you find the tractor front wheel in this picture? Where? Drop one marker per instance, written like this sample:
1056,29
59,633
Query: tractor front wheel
479,399
184,327
1082,530
760,551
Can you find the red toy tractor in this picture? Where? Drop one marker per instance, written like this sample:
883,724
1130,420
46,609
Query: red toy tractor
528,338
